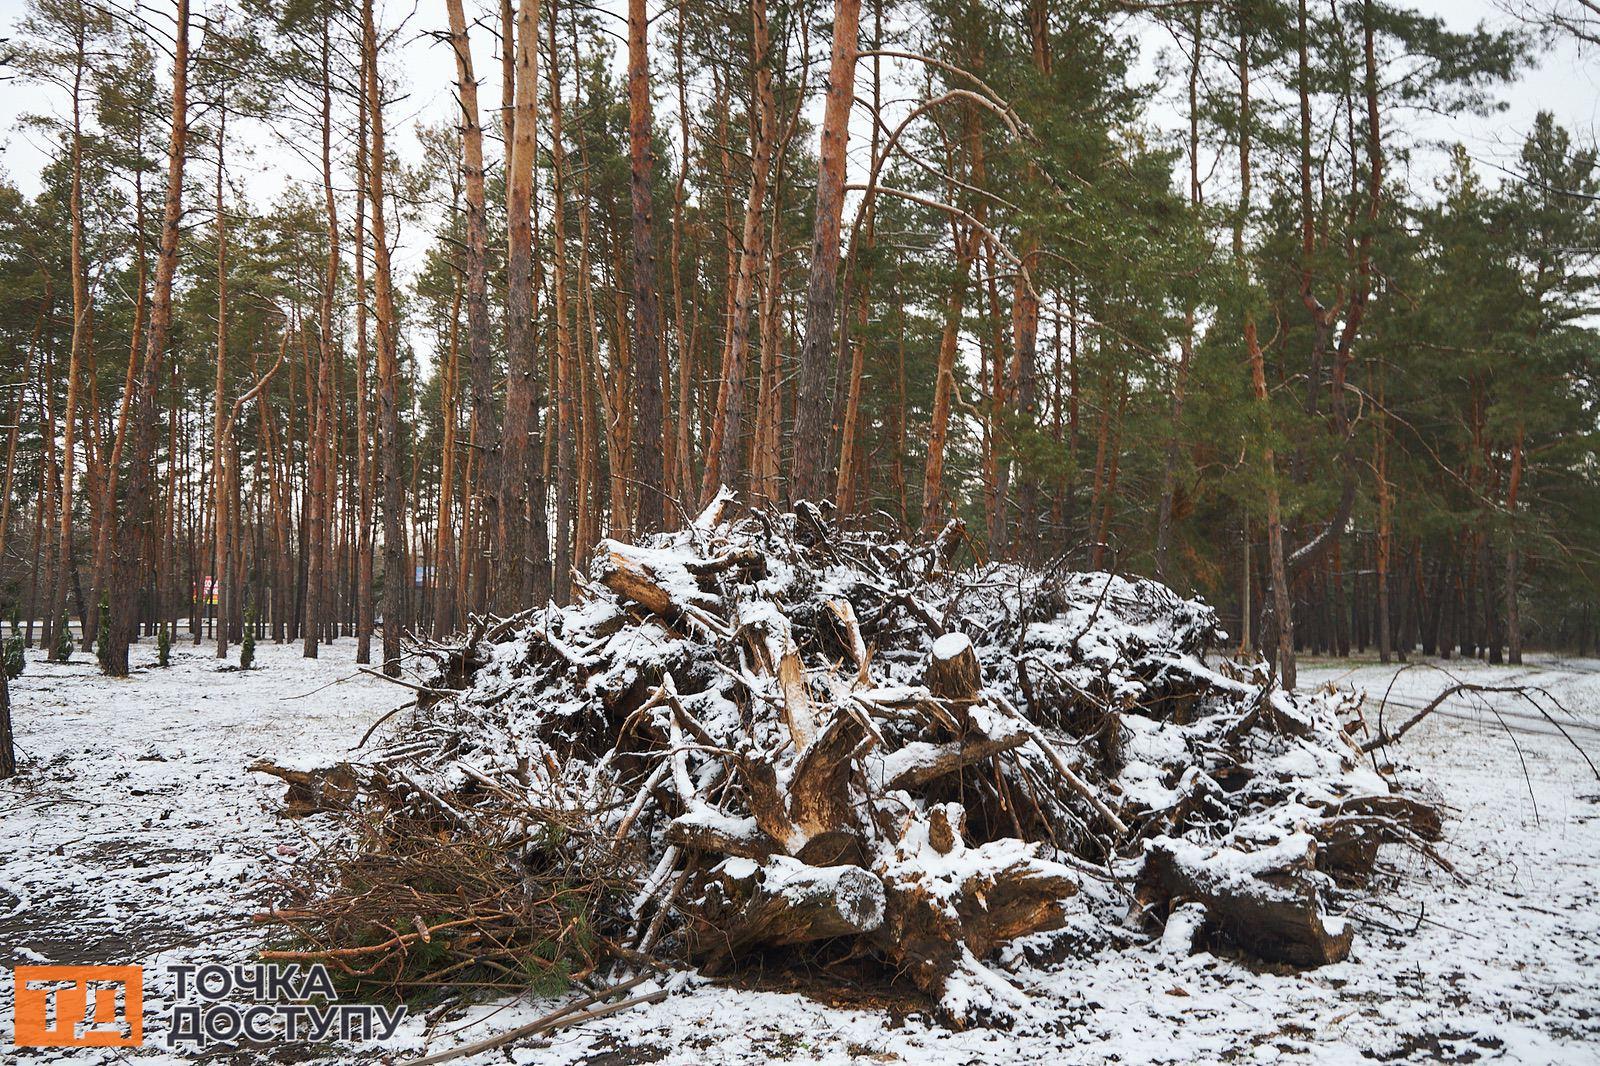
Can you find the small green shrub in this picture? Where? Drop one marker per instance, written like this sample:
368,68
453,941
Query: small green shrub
14,659
247,646
102,633
64,646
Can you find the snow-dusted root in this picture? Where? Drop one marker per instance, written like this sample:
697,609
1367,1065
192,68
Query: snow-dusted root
970,993
949,905
1269,902
313,789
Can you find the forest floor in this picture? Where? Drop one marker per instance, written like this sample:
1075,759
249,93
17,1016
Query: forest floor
137,835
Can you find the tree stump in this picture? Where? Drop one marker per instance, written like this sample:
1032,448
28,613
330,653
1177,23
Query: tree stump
955,676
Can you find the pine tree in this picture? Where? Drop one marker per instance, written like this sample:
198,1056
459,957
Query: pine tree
247,642
62,652
102,644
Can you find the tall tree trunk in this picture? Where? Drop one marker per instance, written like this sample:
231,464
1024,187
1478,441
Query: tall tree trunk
1385,545
1169,466
683,451
479,358
567,377
8,750
944,387
766,447
82,327
851,459
319,395
524,573
647,410
811,429
8,754
1513,556
396,575
364,464
444,608
219,507
137,542
1283,612
724,451
102,550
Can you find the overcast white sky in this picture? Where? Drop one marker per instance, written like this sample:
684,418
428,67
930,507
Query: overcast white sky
1565,82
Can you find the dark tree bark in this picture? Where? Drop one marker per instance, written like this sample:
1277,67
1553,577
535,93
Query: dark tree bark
811,429
524,574
136,544
396,574
647,435
725,448
479,358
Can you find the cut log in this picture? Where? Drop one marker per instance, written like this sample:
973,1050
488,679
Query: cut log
784,901
1267,902
1349,835
623,572
705,829
1411,814
749,559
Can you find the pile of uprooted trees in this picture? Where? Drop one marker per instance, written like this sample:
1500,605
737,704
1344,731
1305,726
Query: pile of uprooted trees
772,734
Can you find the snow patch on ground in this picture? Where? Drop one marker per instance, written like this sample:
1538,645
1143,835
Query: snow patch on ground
137,835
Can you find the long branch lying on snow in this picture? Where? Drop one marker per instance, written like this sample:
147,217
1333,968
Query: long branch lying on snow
772,732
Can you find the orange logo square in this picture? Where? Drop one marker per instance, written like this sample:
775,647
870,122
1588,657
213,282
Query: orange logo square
78,1006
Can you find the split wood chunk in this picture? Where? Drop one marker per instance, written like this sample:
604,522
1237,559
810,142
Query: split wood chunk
1268,902
769,804
947,822
948,542
767,637
849,631
819,791
623,572
813,817
714,511
798,712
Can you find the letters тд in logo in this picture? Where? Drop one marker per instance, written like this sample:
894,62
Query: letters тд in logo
78,1006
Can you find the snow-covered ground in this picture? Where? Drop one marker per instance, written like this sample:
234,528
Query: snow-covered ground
138,836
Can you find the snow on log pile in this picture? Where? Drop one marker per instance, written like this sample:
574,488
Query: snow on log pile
793,736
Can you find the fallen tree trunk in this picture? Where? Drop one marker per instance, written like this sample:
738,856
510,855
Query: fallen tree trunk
1268,902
